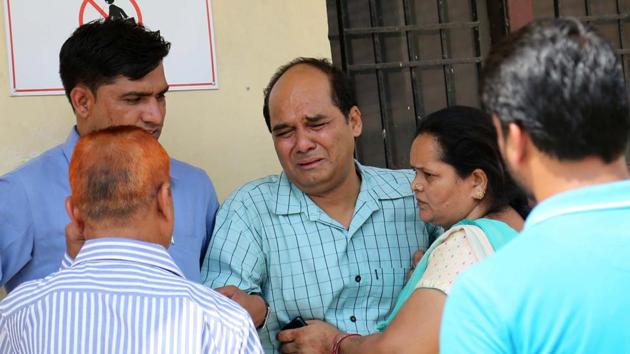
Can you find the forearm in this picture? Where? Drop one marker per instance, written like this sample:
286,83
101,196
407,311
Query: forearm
381,343
415,329
257,309
374,344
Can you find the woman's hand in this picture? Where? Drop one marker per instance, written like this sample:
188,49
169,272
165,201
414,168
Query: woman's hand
414,261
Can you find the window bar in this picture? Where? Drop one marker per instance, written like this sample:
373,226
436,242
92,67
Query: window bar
427,28
426,63
445,46
476,39
622,46
380,84
622,53
604,18
341,17
412,51
556,8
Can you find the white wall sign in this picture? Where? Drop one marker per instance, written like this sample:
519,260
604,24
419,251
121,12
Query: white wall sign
36,29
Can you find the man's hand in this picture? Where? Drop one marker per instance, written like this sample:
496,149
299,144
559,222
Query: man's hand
74,239
254,304
316,337
414,261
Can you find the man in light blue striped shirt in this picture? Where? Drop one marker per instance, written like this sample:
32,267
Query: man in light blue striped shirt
328,238
123,293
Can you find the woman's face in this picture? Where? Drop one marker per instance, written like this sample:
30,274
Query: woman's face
443,197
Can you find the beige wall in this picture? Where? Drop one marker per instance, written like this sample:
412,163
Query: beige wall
221,131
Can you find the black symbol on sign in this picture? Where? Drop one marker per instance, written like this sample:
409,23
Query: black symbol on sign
115,12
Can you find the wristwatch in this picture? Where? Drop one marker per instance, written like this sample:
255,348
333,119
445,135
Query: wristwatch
264,322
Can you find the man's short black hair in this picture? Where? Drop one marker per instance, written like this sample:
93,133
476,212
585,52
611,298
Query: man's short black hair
341,90
563,83
99,51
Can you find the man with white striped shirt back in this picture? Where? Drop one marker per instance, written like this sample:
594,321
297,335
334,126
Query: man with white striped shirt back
123,293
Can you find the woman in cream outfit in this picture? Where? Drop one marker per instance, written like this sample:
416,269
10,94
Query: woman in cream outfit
462,185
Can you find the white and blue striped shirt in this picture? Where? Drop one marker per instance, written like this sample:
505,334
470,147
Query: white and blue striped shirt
122,296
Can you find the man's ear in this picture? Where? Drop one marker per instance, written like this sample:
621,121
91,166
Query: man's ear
499,130
517,144
165,202
82,100
166,214
75,230
74,214
355,121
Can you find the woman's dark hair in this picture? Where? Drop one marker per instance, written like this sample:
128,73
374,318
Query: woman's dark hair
468,142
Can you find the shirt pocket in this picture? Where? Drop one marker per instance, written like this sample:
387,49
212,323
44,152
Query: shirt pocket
386,284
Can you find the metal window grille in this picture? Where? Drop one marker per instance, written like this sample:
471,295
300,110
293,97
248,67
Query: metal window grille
407,58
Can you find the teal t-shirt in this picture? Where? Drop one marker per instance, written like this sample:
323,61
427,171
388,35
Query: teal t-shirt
562,287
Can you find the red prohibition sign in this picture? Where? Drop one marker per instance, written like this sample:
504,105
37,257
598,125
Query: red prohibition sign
103,13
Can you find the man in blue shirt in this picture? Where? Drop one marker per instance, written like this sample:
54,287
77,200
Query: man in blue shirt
326,239
113,75
123,293
560,105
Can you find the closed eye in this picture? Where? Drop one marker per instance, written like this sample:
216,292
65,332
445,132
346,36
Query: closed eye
133,99
318,125
283,133
425,174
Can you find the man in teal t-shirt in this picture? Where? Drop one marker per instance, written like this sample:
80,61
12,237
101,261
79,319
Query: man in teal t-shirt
560,105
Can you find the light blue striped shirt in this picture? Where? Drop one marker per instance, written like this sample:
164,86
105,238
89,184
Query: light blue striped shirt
273,239
122,296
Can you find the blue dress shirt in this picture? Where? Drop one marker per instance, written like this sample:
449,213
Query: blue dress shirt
122,296
562,286
33,216
272,239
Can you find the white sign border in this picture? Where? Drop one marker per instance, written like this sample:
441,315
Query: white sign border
187,86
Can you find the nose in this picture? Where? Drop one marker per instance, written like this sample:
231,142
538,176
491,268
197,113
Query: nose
304,142
416,186
154,112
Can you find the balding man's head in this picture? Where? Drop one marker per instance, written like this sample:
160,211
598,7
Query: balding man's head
116,175
341,89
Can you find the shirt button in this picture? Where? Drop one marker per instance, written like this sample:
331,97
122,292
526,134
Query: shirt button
353,319
357,278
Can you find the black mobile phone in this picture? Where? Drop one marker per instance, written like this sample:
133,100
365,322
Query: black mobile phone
297,322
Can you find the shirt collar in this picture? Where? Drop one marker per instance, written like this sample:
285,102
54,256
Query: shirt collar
612,195
385,188
291,200
123,249
71,142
